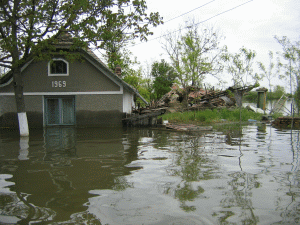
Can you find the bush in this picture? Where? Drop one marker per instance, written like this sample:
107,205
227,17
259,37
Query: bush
277,93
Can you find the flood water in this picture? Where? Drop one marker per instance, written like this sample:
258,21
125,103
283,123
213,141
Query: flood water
234,174
285,109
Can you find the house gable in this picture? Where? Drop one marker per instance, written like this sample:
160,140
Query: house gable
83,77
83,80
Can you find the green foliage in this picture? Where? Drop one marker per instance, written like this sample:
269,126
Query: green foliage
276,115
195,54
161,86
121,28
239,66
256,85
250,96
289,63
277,93
269,73
122,59
163,69
212,116
135,79
145,93
297,96
164,76
234,115
229,93
29,27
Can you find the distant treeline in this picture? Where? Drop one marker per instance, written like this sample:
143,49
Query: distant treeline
275,94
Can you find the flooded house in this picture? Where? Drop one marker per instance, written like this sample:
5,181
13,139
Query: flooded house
82,92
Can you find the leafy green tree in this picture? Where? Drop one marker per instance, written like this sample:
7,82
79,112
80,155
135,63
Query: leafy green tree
269,73
27,27
240,67
119,30
164,76
290,64
277,93
125,61
135,79
161,86
194,55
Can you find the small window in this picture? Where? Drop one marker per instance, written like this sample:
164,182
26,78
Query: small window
58,67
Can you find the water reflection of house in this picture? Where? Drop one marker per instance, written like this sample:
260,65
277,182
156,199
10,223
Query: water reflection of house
82,92
59,143
73,162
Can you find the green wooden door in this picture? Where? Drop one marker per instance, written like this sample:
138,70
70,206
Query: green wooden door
59,111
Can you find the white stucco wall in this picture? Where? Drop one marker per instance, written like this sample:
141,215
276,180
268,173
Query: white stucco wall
128,102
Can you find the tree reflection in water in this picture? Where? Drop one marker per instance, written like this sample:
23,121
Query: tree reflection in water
237,201
289,184
192,165
240,196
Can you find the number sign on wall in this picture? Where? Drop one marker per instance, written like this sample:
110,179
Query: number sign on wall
59,84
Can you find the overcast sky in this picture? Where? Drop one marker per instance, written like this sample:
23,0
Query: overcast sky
252,24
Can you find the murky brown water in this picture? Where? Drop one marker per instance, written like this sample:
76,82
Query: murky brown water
232,175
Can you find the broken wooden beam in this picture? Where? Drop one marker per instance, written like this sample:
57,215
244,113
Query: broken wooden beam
147,119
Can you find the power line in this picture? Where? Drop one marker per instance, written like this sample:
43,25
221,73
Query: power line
189,11
178,17
225,12
196,23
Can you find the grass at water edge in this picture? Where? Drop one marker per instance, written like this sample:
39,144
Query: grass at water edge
209,116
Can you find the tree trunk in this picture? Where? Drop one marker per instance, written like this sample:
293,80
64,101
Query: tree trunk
17,76
20,103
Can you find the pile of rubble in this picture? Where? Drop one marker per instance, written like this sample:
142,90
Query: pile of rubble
190,98
194,98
